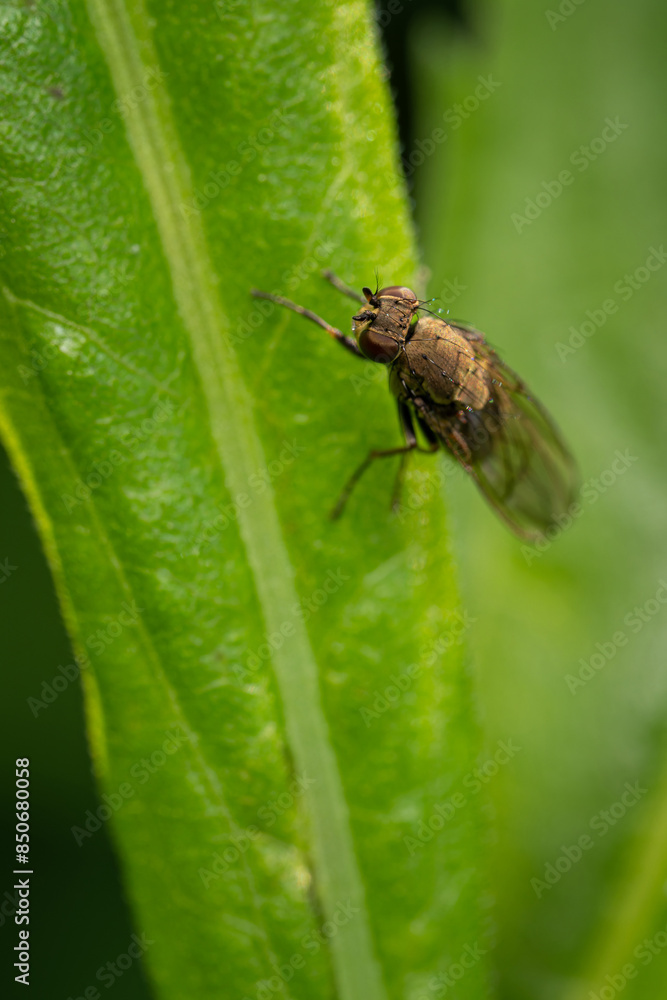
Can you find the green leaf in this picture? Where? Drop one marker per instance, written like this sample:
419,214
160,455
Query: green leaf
279,707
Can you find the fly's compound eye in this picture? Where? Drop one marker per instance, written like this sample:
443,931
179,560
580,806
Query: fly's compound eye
397,292
377,347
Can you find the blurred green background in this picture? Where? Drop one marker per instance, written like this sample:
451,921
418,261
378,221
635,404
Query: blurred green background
557,74
496,101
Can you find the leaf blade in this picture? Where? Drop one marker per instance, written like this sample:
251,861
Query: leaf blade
160,507
153,137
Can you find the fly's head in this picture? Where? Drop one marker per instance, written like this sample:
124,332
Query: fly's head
382,327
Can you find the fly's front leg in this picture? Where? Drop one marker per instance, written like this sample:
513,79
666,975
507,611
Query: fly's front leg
342,287
347,342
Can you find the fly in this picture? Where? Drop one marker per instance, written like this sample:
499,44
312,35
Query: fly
452,386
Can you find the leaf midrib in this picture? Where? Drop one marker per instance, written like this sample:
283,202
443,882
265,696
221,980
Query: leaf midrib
125,40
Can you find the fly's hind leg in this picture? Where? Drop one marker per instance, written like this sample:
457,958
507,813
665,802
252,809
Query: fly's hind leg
411,444
397,489
410,436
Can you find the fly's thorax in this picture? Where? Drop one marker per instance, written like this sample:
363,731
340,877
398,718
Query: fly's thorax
382,328
445,364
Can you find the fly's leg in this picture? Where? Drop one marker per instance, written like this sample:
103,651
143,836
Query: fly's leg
411,444
405,417
464,455
407,426
458,448
342,287
358,473
398,483
347,342
431,436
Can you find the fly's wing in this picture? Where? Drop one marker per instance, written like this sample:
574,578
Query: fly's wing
514,451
